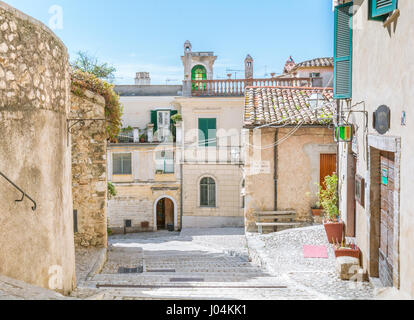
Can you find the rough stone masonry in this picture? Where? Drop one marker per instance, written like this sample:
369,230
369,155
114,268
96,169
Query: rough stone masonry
89,177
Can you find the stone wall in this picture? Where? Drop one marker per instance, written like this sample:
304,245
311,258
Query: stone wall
89,176
35,246
298,171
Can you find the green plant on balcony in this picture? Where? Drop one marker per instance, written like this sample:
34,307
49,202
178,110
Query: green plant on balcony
176,118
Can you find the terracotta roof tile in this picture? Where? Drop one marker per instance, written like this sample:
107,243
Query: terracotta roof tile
318,62
285,105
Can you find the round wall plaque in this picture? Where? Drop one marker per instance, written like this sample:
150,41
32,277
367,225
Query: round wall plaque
382,119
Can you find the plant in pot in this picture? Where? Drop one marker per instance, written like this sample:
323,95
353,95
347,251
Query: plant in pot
143,138
347,250
317,210
328,199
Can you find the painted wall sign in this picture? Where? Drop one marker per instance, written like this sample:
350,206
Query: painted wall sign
385,177
382,119
360,190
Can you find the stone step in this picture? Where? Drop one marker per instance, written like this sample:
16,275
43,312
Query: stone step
174,279
204,270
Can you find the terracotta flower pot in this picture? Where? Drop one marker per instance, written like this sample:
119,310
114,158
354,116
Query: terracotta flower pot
334,231
341,252
317,212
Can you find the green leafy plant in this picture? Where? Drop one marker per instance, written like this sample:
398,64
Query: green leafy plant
90,64
111,190
82,81
328,197
177,118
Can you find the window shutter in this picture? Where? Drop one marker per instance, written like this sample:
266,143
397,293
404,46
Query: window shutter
343,52
203,132
382,7
154,120
212,130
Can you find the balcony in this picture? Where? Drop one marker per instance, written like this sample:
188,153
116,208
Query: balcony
236,87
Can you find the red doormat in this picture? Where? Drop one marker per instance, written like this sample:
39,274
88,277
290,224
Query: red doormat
315,252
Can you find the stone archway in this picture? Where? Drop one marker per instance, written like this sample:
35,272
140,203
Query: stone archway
165,213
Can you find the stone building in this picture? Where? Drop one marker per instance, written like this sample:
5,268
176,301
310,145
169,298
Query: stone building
290,149
208,149
89,174
373,88
320,70
143,165
36,239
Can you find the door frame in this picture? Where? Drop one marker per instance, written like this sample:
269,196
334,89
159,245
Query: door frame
175,211
376,144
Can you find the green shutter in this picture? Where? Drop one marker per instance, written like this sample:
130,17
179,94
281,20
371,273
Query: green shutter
212,130
154,120
343,51
203,132
173,113
207,132
380,8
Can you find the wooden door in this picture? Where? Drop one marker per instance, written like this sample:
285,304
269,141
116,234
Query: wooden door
386,250
161,214
328,166
169,212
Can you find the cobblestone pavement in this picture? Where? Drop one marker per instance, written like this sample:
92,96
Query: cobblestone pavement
214,264
282,253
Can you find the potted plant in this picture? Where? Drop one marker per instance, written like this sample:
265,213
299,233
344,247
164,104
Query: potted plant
347,250
143,138
328,195
317,211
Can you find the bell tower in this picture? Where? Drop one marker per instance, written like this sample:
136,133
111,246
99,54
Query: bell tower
248,67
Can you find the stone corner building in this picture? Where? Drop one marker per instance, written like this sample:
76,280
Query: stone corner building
36,246
89,177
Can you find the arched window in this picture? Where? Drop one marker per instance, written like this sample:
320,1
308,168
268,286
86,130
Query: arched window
197,74
208,193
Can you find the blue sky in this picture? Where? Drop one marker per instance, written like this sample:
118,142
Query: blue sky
137,35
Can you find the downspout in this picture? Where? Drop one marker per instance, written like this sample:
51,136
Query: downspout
275,149
181,195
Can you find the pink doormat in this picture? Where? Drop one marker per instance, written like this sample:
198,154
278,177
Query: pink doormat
315,252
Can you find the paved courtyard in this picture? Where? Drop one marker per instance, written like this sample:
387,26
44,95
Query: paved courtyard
215,264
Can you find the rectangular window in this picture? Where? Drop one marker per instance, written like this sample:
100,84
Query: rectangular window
164,161
380,8
343,51
122,163
207,129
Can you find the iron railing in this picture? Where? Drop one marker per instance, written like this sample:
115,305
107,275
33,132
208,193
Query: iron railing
24,194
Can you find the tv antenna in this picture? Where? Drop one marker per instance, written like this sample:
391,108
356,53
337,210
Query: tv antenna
234,71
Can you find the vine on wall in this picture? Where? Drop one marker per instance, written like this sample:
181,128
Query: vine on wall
113,107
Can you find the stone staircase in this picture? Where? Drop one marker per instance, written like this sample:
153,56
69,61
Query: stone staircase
187,275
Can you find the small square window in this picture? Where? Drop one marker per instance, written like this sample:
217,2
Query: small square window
128,223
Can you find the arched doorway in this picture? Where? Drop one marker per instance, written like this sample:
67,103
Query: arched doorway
165,213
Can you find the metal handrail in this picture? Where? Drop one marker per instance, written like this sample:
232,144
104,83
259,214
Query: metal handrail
24,194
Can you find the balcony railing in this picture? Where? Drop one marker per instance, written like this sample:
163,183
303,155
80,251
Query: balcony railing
236,87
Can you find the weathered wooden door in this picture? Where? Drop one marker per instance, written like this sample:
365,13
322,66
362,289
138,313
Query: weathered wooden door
161,214
328,166
386,250
169,212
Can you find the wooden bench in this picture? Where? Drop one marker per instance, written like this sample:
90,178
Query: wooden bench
285,215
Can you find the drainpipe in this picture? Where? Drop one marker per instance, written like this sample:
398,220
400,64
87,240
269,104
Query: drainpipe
181,196
275,149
